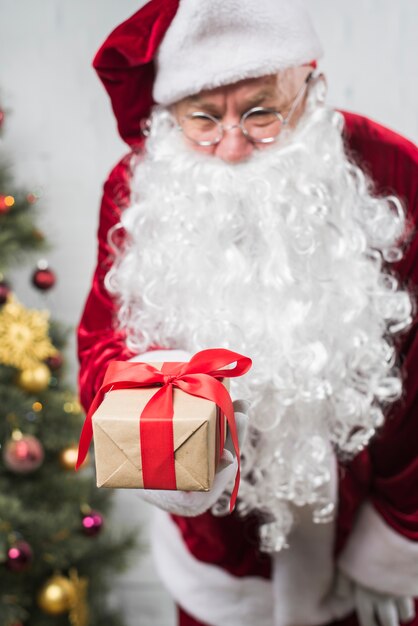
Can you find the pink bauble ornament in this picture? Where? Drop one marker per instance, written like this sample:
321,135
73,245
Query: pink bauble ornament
23,455
4,291
19,556
92,523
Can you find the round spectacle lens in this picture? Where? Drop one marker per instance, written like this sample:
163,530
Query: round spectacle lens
201,128
262,125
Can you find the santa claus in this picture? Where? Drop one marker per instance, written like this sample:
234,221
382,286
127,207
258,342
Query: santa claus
252,216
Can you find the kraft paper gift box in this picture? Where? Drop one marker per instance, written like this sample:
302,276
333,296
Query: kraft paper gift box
197,433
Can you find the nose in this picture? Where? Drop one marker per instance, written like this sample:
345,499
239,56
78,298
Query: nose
234,146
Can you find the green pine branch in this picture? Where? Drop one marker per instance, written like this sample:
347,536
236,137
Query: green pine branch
19,235
44,507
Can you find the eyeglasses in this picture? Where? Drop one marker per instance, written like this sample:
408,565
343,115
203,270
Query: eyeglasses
259,124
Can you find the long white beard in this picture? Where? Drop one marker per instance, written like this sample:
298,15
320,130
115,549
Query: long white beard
280,258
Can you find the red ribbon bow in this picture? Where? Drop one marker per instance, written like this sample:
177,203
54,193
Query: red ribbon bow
198,377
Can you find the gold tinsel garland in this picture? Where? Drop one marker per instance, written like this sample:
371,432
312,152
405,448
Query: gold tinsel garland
24,340
79,612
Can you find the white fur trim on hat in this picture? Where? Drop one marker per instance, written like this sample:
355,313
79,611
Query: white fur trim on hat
218,42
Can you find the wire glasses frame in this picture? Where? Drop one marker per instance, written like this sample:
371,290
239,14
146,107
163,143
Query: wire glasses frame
259,124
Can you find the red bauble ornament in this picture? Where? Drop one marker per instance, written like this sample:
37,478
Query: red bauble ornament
2,116
54,362
43,278
92,523
4,291
19,557
23,455
31,198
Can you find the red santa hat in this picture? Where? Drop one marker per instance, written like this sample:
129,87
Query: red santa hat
170,49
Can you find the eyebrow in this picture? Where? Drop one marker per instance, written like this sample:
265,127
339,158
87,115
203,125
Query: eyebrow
203,105
258,98
251,102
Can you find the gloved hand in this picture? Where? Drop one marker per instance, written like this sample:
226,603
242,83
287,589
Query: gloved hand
374,608
192,503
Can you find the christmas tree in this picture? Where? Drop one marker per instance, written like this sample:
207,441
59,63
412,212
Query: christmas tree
56,551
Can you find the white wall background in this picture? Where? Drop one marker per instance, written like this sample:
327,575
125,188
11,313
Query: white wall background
61,137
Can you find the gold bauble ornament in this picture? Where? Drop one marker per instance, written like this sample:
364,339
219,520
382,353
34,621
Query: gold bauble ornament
57,596
35,379
68,458
24,339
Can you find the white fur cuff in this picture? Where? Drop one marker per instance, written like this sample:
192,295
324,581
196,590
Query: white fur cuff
205,591
379,558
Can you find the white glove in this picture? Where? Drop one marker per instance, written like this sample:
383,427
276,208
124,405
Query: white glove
373,607
192,503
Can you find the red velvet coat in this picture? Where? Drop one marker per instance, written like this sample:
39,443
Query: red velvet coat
386,473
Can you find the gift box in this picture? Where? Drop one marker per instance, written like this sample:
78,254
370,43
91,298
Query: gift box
164,427
198,428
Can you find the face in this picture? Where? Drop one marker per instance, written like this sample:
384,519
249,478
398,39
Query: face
228,103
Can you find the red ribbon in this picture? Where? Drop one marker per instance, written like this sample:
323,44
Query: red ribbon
198,377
